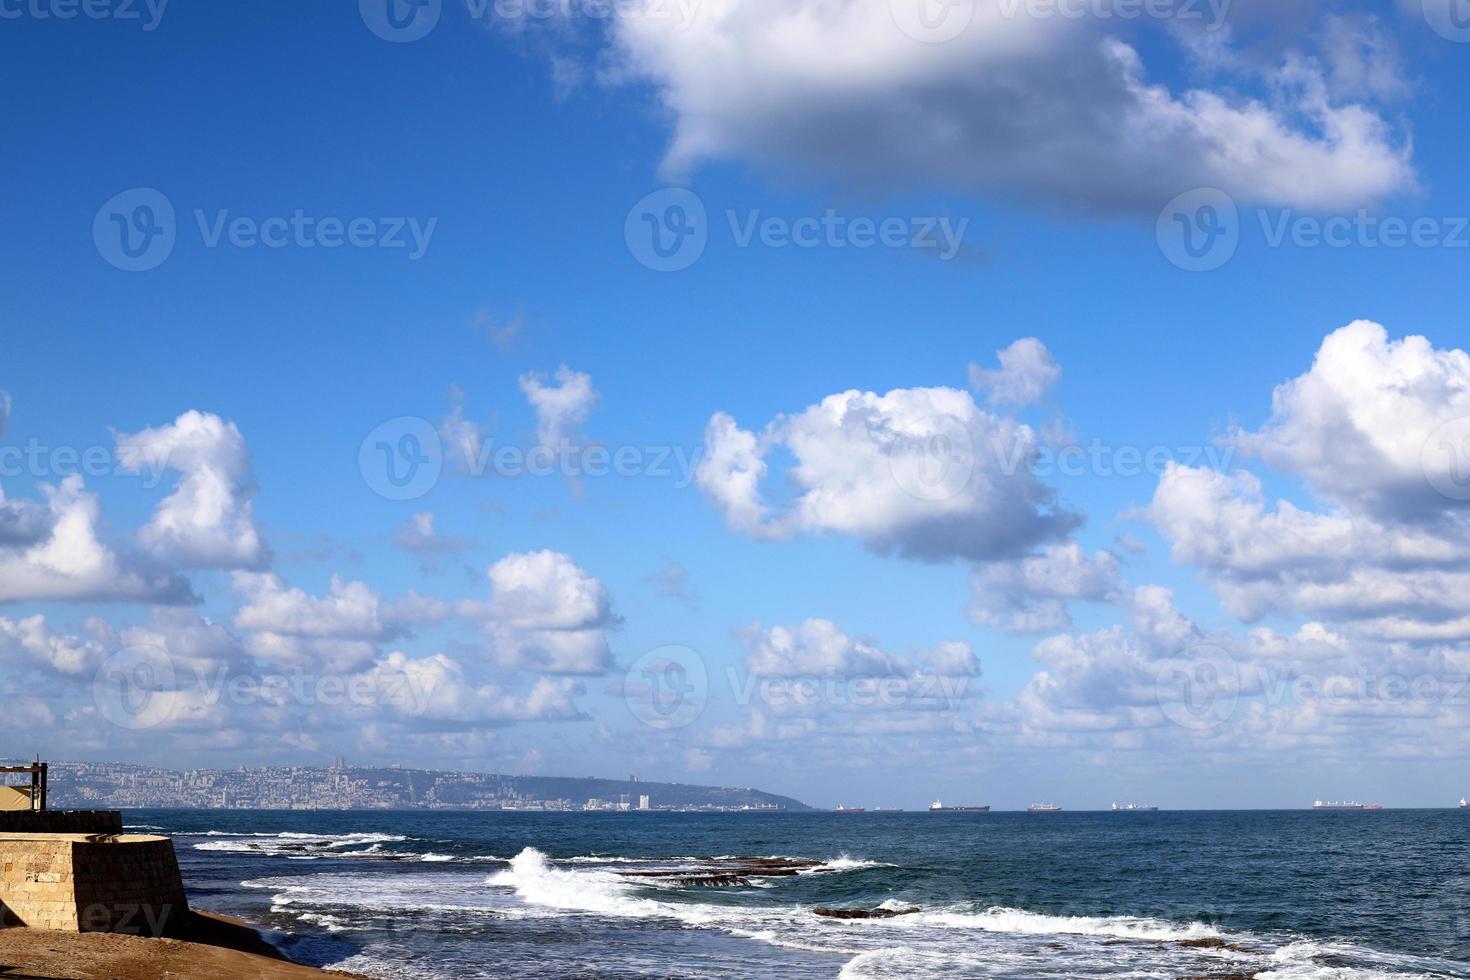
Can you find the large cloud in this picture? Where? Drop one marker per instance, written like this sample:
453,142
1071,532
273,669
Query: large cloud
55,553
1377,424
1379,431
1049,109
545,613
1030,595
208,521
919,472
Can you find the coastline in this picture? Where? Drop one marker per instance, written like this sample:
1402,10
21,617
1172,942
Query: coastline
211,945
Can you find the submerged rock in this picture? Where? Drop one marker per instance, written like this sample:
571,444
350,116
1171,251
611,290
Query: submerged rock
863,913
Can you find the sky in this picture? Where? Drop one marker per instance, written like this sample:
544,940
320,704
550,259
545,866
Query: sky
874,402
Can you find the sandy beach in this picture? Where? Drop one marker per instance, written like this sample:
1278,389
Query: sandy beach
212,945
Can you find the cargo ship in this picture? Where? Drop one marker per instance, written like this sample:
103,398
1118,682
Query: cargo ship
1134,808
1043,808
1341,805
938,807
1464,803
850,809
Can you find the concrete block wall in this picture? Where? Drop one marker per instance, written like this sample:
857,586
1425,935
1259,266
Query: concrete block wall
80,883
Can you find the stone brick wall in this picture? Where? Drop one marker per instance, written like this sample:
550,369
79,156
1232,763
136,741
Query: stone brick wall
132,887
35,884
61,822
78,883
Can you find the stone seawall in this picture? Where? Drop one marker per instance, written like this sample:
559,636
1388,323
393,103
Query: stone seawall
90,883
61,822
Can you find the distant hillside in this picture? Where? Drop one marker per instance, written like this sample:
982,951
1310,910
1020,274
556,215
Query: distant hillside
116,785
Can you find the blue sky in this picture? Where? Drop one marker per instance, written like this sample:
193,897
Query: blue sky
523,143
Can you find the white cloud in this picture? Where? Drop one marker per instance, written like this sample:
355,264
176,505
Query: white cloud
545,613
1030,595
208,521
436,690
1053,110
815,648
339,631
420,535
57,555
1376,425
919,472
1027,372
37,644
560,408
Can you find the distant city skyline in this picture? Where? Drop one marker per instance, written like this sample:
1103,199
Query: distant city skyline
606,394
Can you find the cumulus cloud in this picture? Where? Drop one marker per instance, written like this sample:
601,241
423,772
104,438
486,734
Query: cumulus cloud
419,535
55,553
339,631
561,408
1053,110
1026,373
208,521
545,613
815,648
1030,595
1401,581
1377,425
34,643
919,472
436,690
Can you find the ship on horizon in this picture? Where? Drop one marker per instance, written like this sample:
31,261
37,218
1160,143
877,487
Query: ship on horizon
938,807
1043,808
850,809
1345,805
1135,808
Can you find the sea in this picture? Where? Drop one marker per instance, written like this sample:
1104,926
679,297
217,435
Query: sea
1292,894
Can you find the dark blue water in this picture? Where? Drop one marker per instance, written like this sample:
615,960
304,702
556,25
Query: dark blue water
1270,895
